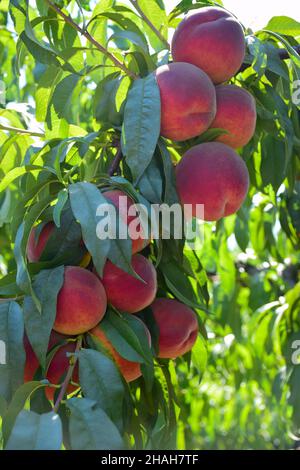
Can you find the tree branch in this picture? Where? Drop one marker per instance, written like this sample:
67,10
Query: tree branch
282,53
21,131
149,23
68,377
116,161
90,38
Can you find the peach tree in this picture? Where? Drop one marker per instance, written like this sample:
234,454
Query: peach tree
105,343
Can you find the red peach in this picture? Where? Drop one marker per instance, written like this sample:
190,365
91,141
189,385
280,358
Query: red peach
214,175
188,101
236,113
81,302
58,366
125,292
36,245
177,325
213,40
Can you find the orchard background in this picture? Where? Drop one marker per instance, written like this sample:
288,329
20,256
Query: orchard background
80,114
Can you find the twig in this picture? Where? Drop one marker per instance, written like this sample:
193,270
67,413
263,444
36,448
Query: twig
90,38
282,53
21,131
149,23
68,377
116,161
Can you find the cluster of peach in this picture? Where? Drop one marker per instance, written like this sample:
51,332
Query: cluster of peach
208,49
82,304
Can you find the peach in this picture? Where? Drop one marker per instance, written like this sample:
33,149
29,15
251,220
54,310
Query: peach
236,113
130,370
123,203
57,368
188,101
37,244
127,293
81,302
214,175
177,325
213,40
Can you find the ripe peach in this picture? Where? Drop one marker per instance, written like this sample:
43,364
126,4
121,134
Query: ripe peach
125,292
57,368
188,100
123,203
213,40
178,327
236,113
214,175
81,302
130,370
36,245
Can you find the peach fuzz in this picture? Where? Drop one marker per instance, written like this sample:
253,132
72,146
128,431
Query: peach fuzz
114,196
81,302
130,370
213,40
177,325
188,101
236,113
58,366
127,293
214,175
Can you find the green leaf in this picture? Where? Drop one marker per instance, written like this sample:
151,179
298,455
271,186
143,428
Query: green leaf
199,355
85,200
62,95
273,162
11,341
17,403
150,183
284,25
91,428
36,432
141,127
128,336
101,381
180,285
47,285
3,406
62,198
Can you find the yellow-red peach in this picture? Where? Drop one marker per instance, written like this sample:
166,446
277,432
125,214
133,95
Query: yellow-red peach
214,175
124,203
124,291
37,244
177,327
213,40
130,370
188,101
236,113
81,302
58,366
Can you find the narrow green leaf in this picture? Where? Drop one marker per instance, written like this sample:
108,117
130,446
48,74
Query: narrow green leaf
141,127
85,201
